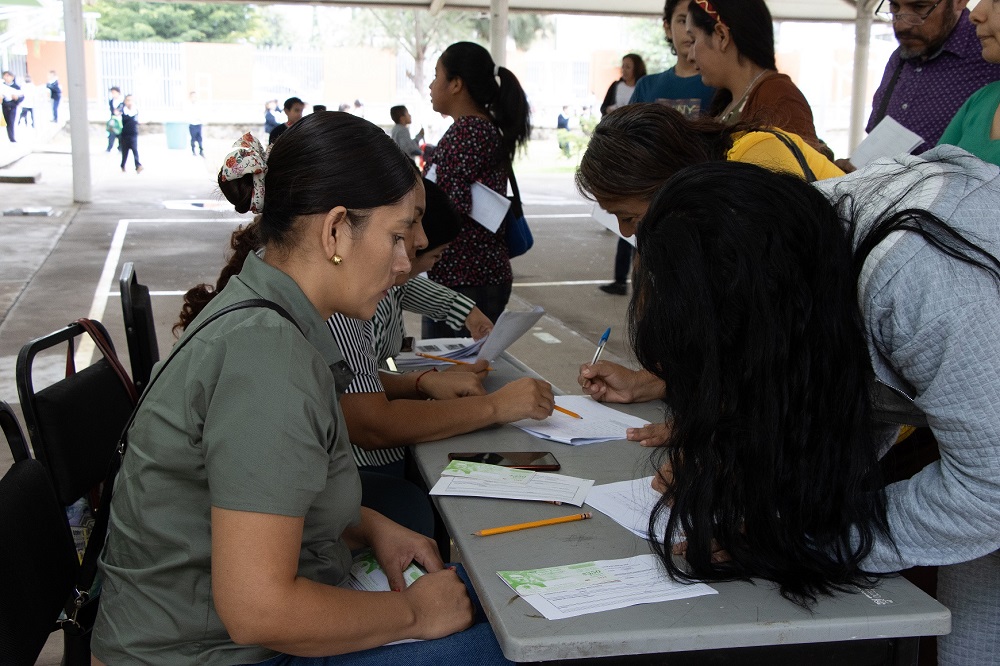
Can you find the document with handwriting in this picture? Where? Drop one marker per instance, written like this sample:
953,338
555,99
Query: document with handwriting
630,503
599,423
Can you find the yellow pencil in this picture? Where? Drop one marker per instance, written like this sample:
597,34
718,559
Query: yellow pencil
537,523
446,359
567,412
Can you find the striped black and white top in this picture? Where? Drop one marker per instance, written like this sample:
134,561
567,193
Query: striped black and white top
367,344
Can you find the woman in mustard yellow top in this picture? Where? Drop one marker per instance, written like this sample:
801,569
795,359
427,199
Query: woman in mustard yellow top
637,148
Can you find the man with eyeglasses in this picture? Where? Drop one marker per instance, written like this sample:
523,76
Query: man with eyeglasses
937,66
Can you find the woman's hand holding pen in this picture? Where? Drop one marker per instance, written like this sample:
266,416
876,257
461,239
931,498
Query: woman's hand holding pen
522,399
605,381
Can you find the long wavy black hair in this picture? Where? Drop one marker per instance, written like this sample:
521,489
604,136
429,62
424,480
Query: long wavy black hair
745,304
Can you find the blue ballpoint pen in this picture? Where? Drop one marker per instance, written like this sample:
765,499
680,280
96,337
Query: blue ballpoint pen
600,345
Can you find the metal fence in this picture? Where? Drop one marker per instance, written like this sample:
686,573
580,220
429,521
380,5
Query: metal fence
279,74
152,71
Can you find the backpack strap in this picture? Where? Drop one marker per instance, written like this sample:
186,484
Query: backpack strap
98,536
800,157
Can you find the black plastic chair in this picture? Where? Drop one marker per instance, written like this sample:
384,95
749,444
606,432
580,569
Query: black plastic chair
140,329
38,559
12,431
75,423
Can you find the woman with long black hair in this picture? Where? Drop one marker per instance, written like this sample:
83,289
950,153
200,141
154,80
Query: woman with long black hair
773,318
492,119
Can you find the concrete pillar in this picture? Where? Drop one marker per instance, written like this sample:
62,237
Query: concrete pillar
76,89
498,31
862,39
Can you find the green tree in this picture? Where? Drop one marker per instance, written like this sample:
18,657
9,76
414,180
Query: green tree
647,39
417,32
180,22
524,29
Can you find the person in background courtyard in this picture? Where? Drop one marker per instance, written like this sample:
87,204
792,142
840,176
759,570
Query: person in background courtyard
55,94
130,133
270,117
620,92
11,97
30,92
195,118
293,108
401,131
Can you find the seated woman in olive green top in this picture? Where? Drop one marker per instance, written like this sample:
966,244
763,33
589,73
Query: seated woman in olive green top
238,502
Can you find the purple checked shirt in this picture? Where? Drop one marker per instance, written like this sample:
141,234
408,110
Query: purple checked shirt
928,93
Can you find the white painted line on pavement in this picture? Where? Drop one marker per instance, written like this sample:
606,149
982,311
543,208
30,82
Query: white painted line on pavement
103,291
567,283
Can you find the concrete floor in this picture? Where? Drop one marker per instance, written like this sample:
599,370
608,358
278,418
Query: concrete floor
56,269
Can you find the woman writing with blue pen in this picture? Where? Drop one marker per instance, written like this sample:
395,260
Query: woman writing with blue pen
775,319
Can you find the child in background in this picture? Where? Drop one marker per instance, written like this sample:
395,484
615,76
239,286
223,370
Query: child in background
401,133
129,138
114,128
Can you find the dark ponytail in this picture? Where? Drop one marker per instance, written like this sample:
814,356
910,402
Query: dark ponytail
505,103
243,241
325,160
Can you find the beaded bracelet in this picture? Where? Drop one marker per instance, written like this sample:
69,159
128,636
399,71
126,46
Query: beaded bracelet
416,386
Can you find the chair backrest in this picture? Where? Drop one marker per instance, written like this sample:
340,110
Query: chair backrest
75,423
140,330
38,560
12,431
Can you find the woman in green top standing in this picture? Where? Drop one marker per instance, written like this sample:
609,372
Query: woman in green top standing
976,126
238,502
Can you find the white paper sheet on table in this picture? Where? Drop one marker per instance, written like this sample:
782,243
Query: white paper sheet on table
600,423
630,503
467,479
609,222
887,139
592,587
510,326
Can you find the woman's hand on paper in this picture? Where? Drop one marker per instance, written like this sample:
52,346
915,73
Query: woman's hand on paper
605,381
449,385
523,398
395,547
479,325
652,434
440,603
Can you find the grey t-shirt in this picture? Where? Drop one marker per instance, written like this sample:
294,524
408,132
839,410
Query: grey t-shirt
246,417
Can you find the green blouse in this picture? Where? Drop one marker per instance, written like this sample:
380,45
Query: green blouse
970,128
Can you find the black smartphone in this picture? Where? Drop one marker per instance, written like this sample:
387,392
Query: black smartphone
540,461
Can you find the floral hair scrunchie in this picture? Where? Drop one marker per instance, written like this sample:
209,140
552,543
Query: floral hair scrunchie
247,156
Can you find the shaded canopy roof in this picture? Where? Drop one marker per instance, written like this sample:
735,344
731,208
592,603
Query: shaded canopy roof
802,10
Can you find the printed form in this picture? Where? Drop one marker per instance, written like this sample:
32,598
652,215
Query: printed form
630,503
469,479
592,587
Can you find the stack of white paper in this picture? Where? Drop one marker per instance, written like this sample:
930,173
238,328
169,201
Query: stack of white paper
460,349
469,479
599,423
592,587
630,503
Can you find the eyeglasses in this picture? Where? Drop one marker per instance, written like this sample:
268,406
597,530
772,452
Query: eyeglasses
907,18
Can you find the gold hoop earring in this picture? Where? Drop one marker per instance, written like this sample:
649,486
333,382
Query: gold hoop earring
336,259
